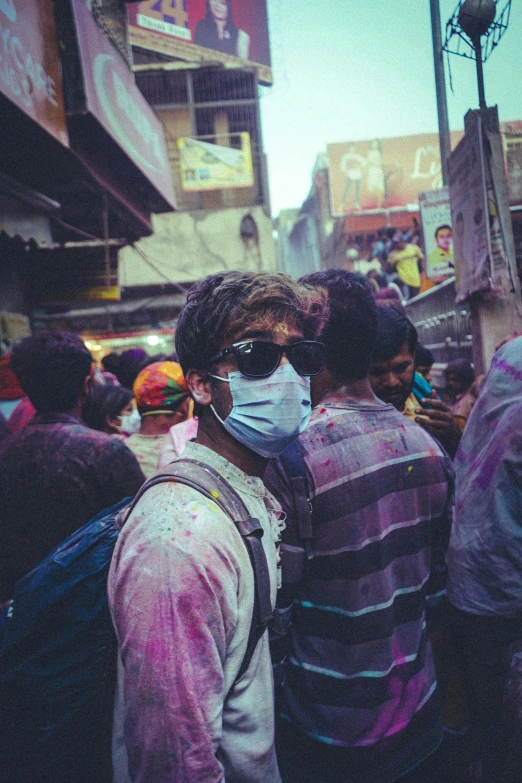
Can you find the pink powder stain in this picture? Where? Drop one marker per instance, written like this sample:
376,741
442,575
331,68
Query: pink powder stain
323,410
188,533
395,687
400,709
328,461
331,424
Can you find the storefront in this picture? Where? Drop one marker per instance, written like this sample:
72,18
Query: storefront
34,132
83,159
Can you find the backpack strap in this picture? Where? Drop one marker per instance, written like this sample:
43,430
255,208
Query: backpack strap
203,478
293,462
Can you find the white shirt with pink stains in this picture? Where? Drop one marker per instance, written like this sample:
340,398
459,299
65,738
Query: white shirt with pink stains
176,439
181,593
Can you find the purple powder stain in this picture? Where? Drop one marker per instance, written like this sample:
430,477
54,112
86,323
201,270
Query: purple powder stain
502,364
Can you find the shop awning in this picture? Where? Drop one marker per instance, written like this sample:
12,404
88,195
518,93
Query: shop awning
25,213
372,222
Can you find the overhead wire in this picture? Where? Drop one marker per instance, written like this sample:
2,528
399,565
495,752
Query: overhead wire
152,263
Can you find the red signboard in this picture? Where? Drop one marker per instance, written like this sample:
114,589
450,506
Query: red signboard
30,74
219,30
114,100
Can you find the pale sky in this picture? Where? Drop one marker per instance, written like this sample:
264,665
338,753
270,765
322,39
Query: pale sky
359,69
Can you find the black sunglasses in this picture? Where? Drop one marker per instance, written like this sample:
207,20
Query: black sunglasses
259,359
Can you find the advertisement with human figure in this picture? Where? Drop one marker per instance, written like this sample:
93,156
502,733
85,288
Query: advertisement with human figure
198,30
379,174
435,212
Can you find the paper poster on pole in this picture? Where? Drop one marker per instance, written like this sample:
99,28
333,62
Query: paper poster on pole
484,252
468,214
435,212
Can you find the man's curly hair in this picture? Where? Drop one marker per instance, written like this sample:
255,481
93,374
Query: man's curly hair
224,306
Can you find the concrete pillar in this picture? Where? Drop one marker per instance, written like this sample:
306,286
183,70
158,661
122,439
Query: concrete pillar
491,321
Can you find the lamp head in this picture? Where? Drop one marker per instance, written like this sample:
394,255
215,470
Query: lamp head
476,17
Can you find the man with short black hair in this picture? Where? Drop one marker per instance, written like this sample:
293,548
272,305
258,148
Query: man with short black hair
56,472
423,362
359,701
181,584
392,377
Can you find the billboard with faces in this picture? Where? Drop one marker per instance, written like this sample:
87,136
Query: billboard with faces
227,31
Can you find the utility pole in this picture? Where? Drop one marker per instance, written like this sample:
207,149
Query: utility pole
440,86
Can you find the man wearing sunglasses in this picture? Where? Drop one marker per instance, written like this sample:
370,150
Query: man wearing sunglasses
358,696
181,586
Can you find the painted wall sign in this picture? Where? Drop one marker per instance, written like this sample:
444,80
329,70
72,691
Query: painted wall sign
30,71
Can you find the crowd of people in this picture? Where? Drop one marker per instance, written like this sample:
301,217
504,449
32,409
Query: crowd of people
387,521
394,264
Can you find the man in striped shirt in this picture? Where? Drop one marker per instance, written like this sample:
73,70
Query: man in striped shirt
359,703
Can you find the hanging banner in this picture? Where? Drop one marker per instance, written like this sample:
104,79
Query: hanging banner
435,212
483,239
229,31
468,214
207,166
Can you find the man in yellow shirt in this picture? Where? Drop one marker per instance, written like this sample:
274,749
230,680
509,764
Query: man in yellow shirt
408,261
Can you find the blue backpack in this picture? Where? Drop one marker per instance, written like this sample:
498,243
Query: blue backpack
59,650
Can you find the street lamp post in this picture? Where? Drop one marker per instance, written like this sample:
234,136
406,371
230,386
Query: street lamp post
440,87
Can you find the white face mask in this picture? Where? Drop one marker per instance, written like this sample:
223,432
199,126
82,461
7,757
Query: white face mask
131,422
267,413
